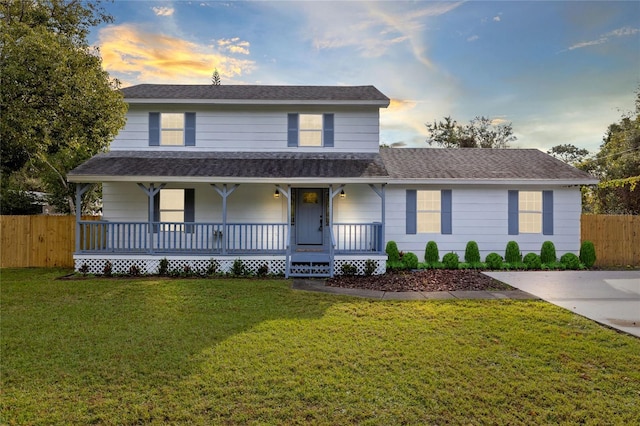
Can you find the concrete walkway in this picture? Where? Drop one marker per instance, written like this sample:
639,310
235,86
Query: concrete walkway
318,285
611,298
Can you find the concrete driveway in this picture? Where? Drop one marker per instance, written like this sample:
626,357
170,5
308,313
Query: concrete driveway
608,297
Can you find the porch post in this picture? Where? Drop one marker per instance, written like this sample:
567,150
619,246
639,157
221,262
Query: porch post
381,193
287,195
81,188
151,192
224,193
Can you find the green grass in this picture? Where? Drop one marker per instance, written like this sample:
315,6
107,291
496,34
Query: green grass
157,351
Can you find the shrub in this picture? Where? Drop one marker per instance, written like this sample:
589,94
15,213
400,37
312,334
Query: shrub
163,268
451,261
548,253
348,269
472,253
392,251
431,254
84,269
134,270
587,253
238,268
107,271
263,270
532,261
394,265
370,267
410,261
570,261
213,267
512,253
493,261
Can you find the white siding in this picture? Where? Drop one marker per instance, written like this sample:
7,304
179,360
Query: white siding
480,214
244,129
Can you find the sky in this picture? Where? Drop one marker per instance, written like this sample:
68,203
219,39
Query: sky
559,71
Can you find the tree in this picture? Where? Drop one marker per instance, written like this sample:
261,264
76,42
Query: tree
215,78
481,132
58,107
568,153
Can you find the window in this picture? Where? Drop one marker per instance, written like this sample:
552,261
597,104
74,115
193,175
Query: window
530,212
310,130
428,211
172,129
171,205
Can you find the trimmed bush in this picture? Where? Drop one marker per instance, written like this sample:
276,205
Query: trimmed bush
493,261
472,253
410,261
349,269
570,261
532,261
431,254
370,267
512,253
548,253
392,251
587,254
451,261
163,268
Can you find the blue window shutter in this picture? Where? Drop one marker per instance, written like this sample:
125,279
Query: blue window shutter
547,212
154,128
156,207
412,211
446,225
327,128
190,129
514,217
189,208
292,130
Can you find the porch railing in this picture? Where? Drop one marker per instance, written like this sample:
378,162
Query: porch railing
358,237
179,237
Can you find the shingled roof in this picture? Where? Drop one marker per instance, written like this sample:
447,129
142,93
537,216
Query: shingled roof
392,165
339,94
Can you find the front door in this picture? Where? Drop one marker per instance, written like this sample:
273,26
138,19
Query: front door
309,220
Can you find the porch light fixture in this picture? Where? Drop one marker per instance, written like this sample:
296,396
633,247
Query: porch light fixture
276,194
342,194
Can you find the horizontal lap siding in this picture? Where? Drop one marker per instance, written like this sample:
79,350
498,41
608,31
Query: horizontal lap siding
480,215
264,129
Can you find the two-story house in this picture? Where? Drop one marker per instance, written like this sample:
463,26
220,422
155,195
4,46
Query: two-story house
293,177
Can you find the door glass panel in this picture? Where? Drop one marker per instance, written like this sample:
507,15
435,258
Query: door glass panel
310,197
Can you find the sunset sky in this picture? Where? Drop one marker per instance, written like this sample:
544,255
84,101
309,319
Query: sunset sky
560,71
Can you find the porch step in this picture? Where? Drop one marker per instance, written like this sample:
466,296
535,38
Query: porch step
310,265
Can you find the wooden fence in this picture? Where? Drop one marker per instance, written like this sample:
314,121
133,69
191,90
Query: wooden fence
49,241
31,241
616,238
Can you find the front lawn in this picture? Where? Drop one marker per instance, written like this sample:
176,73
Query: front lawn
151,350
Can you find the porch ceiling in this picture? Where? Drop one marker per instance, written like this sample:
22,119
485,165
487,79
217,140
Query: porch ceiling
230,166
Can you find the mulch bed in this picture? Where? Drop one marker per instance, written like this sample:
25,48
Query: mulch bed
423,280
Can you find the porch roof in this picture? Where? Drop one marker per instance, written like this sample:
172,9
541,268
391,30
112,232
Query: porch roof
189,166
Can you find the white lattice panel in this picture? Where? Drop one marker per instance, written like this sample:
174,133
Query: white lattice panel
381,266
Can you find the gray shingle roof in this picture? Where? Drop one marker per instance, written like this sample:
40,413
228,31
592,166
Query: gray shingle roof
391,165
477,164
254,93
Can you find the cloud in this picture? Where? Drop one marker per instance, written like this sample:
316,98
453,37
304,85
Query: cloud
234,45
473,38
163,11
497,18
130,53
620,32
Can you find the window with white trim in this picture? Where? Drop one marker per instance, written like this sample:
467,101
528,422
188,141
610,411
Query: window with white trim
530,212
310,130
171,129
429,211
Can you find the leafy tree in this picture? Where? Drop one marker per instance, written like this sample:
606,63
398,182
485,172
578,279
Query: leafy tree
569,153
58,107
481,132
215,78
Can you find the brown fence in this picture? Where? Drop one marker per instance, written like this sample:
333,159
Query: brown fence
46,241
50,240
616,238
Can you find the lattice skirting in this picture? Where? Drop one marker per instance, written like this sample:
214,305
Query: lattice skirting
151,264
122,264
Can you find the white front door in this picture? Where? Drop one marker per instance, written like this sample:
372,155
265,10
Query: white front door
309,216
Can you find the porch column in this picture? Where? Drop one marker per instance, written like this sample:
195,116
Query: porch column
224,193
151,192
287,195
81,188
382,195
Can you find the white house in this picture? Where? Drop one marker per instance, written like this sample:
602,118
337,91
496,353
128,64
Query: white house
293,177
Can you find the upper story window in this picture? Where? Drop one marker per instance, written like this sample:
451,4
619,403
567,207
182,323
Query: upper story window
172,129
310,130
